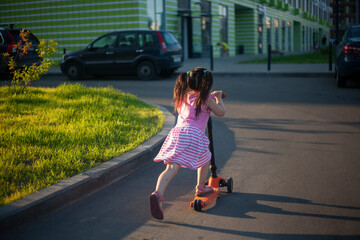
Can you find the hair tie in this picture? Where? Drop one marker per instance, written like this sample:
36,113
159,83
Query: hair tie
205,70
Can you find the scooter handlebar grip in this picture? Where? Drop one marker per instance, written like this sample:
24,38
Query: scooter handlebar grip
223,95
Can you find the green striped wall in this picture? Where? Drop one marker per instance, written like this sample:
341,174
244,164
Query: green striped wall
75,23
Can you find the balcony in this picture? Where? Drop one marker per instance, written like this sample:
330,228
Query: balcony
265,1
306,15
297,11
287,7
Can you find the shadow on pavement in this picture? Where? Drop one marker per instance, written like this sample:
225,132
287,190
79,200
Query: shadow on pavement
249,202
268,236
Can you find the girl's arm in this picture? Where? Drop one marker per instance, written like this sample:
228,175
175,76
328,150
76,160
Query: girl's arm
217,105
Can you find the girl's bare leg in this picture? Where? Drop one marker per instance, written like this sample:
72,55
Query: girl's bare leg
202,175
166,176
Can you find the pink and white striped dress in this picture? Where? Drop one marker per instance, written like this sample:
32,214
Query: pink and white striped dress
187,144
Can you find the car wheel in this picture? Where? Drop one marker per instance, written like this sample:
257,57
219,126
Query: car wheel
340,80
74,71
146,70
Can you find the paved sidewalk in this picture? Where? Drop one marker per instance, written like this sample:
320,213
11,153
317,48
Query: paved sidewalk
26,210
230,66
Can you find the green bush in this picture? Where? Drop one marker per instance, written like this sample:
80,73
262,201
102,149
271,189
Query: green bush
22,76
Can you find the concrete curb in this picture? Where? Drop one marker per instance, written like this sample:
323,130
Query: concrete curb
19,214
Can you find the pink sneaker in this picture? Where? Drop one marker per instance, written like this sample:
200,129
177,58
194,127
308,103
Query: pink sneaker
155,208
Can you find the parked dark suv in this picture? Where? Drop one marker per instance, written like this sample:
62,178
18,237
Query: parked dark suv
9,36
142,52
347,55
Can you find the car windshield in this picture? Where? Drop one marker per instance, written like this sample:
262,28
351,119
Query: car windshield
355,32
17,38
169,38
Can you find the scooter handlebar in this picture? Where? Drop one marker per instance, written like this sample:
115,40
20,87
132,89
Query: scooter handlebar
223,95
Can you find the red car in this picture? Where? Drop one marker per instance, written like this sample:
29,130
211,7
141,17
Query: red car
9,36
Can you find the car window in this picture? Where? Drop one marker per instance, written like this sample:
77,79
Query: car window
141,40
107,41
355,32
1,39
149,39
17,38
169,38
343,39
128,40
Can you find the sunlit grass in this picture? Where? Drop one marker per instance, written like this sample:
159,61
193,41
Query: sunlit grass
50,134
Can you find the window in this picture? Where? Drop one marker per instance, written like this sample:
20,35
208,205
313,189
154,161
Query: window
128,40
296,4
184,4
277,43
303,38
289,35
149,40
355,32
156,14
17,38
107,41
223,13
268,27
169,38
260,32
1,39
283,35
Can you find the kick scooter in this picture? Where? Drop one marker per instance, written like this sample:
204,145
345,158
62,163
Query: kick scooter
209,200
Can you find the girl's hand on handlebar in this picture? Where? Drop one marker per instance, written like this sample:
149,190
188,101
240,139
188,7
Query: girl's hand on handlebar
217,94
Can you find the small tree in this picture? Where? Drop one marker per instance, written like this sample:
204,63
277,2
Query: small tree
22,76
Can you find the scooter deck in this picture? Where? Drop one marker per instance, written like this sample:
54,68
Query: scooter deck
209,200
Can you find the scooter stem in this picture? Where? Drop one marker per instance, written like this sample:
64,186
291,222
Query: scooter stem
212,163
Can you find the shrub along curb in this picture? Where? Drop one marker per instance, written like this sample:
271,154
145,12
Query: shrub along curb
21,213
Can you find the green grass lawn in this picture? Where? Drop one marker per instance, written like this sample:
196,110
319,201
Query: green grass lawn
50,134
306,58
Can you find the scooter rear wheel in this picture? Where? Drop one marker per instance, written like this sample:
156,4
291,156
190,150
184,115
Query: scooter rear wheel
197,205
229,185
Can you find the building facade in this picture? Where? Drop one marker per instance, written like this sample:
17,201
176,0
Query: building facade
247,26
348,13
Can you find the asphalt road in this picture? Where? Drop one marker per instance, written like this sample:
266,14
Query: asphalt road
290,144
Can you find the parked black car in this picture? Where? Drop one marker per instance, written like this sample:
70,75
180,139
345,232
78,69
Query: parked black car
9,36
347,56
142,52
